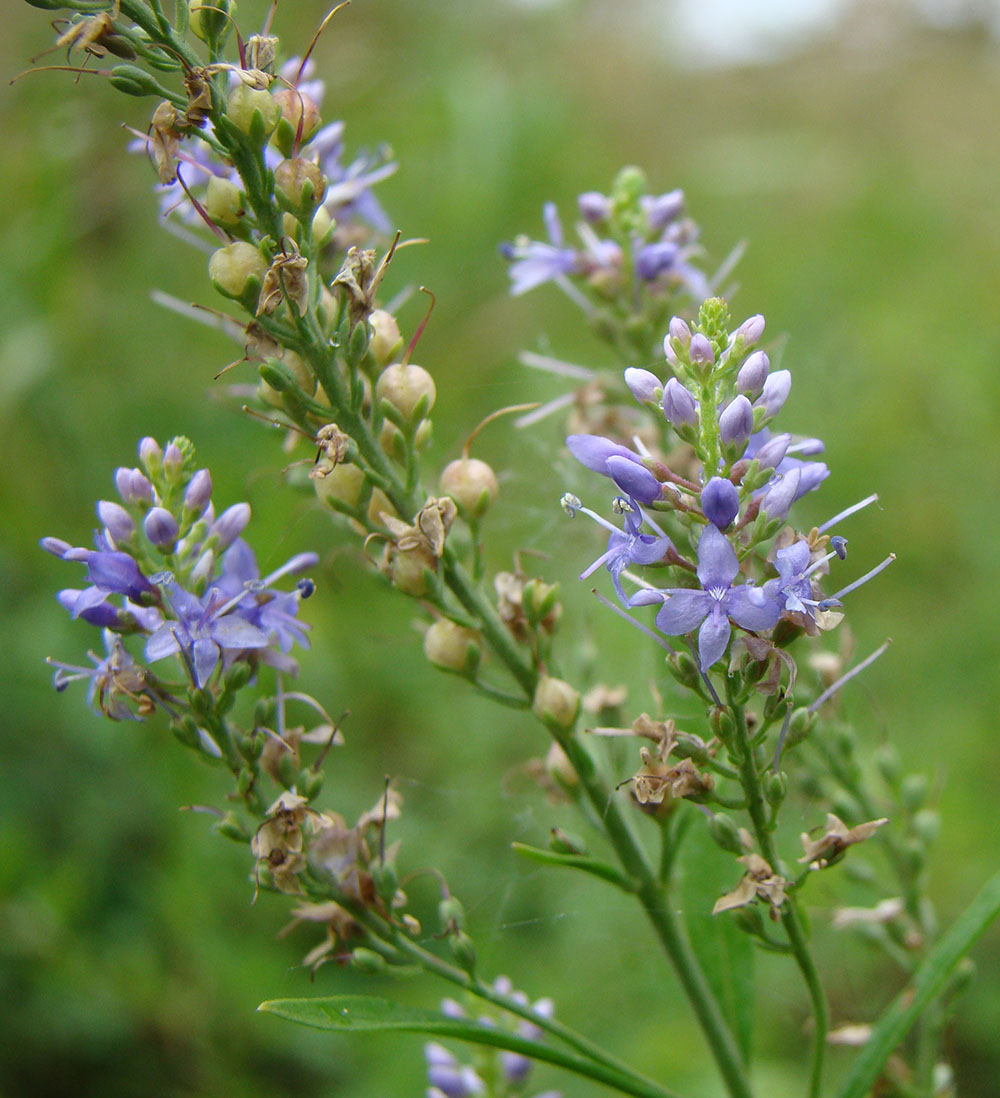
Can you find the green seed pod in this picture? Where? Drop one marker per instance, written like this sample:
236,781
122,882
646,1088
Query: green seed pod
464,950
798,728
385,340
471,483
725,833
224,202
237,272
231,827
367,960
408,390
889,764
299,186
253,111
386,881
775,788
452,647
132,80
913,791
452,914
297,109
556,702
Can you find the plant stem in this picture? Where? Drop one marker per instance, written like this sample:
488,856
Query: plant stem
790,916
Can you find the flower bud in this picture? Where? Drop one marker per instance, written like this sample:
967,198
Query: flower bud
253,111
701,352
736,423
753,373
642,383
133,486
775,392
224,202
471,483
594,207
725,833
913,791
367,960
116,520
173,461
750,331
408,389
385,339
540,603
160,527
772,453
297,109
150,455
452,647
635,480
678,404
299,185
720,502
556,702
781,493
237,270
198,492
562,771
464,950
210,19
230,524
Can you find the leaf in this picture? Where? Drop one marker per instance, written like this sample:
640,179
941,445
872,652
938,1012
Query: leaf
726,953
585,864
928,980
366,1014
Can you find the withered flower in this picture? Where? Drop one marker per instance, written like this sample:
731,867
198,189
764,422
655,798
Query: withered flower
836,838
760,882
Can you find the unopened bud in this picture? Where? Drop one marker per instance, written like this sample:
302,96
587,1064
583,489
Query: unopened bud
889,763
452,914
642,384
775,788
116,519
678,404
160,527
913,791
798,727
736,423
753,374
198,492
471,483
725,833
464,950
927,826
408,390
540,601
775,392
452,647
367,960
560,769
210,19
556,702
720,502
231,827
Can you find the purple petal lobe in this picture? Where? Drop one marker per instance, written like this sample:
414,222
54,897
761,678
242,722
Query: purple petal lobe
717,563
634,479
682,612
713,636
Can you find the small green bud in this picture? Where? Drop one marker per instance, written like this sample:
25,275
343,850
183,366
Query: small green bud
567,842
926,826
287,774
210,20
367,960
245,782
237,676
186,731
684,669
452,914
913,791
237,271
201,701
889,764
472,484
263,711
276,376
775,706
798,727
131,80
309,783
452,647
231,827
408,390
252,746
721,723
386,881
253,111
540,601
556,702
775,788
915,854
357,344
725,833
464,950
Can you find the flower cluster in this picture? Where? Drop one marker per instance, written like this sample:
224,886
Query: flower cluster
449,1078
737,484
165,567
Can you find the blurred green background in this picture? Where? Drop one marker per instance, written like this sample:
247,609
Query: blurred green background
863,170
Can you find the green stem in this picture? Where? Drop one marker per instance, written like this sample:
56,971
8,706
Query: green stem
661,915
791,918
629,1081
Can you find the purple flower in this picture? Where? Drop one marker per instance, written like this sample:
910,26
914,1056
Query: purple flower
625,547
114,573
718,602
642,384
618,462
536,262
114,679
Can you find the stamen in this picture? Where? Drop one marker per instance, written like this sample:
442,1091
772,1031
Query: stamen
849,511
866,577
638,624
830,691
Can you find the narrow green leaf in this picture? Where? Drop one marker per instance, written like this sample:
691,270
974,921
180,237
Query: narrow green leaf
364,1014
605,870
725,952
926,983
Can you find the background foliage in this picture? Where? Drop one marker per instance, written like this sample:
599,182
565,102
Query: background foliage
862,172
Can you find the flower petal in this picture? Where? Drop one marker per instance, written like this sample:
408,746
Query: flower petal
713,636
717,563
682,612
